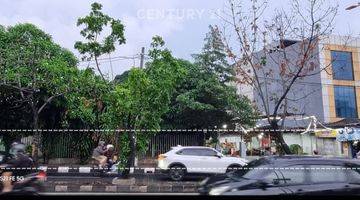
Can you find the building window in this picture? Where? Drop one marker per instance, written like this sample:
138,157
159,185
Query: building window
345,102
342,65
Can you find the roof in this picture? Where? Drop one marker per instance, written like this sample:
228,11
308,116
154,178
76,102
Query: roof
348,122
290,122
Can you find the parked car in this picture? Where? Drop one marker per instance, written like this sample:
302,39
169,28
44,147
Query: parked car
289,175
180,161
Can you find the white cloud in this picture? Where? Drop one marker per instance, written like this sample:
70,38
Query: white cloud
58,18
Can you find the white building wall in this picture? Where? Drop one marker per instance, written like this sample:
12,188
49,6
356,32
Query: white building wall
306,141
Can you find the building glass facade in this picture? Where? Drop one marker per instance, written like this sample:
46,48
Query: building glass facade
345,102
342,65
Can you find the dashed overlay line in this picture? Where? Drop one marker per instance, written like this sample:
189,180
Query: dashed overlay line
147,130
195,168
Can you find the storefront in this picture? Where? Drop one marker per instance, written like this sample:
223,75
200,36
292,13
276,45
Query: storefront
326,144
349,138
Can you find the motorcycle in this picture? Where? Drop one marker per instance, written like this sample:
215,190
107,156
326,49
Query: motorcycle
31,184
111,167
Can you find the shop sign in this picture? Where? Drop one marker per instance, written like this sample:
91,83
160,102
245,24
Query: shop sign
348,134
326,133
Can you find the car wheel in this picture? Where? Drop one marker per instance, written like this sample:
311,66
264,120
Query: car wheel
233,168
177,172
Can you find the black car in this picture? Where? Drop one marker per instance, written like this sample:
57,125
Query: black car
289,175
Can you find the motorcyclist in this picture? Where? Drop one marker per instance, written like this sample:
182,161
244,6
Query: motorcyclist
18,160
110,154
99,154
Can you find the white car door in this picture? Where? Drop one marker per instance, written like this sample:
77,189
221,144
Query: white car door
191,158
211,162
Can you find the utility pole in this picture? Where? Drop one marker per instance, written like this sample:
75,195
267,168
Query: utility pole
142,55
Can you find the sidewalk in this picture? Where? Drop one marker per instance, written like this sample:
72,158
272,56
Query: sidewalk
145,166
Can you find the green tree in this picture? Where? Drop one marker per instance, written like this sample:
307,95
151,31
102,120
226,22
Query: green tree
84,108
122,77
202,101
94,24
37,68
213,58
142,99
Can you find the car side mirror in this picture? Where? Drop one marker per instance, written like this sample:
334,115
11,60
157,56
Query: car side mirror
219,155
276,182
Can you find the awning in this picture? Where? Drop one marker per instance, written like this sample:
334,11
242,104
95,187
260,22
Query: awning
348,134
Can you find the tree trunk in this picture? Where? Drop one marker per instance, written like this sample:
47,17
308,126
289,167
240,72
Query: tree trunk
117,141
279,138
98,68
36,139
131,159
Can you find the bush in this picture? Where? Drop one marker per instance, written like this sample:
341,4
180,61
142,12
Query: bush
296,149
28,149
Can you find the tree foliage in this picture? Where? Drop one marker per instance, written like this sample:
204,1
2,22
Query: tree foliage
205,97
95,23
213,58
141,100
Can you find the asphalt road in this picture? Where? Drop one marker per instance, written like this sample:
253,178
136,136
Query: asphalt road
114,194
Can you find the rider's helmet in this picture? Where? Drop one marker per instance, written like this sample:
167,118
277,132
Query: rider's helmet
110,147
17,148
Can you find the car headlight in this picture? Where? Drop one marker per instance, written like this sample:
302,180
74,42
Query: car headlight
219,190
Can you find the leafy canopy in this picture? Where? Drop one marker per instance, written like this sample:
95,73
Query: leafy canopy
94,24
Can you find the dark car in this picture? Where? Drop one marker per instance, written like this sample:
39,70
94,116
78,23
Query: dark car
289,175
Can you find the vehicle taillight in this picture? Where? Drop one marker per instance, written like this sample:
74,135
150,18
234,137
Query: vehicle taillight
41,175
161,157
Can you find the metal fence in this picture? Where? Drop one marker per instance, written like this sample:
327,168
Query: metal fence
80,143
162,142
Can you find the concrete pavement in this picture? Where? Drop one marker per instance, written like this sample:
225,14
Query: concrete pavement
137,183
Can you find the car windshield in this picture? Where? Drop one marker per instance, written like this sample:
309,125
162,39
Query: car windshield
247,171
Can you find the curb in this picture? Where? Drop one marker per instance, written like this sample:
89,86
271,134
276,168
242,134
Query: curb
66,170
123,188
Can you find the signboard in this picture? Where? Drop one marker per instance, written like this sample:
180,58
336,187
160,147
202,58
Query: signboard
265,142
326,133
348,134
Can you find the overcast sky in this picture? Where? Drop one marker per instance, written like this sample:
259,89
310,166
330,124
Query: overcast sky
182,23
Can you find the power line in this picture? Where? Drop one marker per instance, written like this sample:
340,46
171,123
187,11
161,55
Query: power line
310,83
108,61
116,57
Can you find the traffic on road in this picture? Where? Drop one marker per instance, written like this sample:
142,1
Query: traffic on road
222,175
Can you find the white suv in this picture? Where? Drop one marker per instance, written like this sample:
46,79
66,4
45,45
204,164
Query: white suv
180,161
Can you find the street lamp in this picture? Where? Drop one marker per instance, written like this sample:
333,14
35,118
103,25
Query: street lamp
353,6
224,126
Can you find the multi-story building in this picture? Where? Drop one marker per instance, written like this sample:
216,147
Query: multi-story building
331,92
